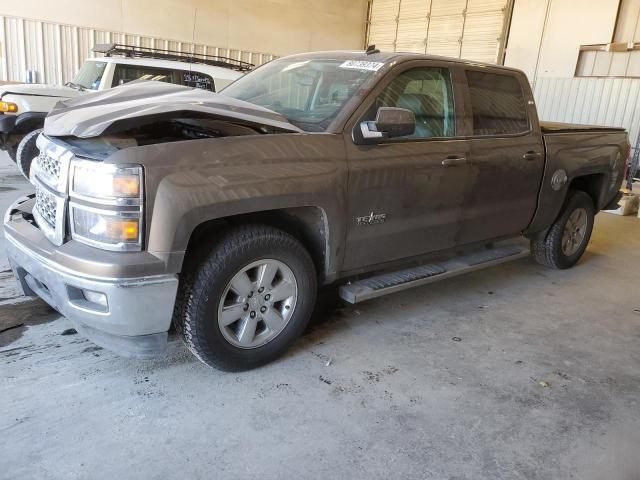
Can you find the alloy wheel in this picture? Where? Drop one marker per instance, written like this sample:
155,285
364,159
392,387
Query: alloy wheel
257,303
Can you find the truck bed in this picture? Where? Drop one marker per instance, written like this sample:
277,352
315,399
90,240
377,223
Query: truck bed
557,127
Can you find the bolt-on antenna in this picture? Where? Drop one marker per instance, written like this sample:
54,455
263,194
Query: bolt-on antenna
371,49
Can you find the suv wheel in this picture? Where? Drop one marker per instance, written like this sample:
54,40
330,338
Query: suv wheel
27,151
245,301
569,235
11,151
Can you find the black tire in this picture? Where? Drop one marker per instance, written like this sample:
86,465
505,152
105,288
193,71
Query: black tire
11,151
27,151
206,277
548,250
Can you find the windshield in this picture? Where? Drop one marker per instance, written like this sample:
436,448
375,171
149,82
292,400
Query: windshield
89,75
309,93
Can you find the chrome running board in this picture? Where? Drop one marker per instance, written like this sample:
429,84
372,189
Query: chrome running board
392,282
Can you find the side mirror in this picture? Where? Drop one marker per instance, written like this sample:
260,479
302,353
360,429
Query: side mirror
390,122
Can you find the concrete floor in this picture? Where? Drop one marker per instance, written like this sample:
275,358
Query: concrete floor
517,372
12,186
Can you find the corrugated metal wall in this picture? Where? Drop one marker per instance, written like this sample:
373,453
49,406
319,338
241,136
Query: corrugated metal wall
56,51
597,101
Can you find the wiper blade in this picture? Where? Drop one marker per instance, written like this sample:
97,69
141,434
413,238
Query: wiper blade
74,85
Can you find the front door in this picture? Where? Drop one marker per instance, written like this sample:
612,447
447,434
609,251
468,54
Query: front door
405,195
507,157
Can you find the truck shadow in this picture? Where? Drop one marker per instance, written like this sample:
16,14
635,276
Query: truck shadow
330,308
16,317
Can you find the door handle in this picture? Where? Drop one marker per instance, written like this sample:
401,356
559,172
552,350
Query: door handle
531,155
452,161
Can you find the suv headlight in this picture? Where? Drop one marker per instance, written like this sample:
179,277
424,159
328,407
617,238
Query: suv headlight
106,205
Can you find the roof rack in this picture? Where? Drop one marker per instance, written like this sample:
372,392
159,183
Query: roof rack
132,51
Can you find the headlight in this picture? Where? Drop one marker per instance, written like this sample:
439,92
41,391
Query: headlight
106,205
8,107
106,182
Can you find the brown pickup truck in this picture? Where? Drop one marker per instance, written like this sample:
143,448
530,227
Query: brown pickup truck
222,213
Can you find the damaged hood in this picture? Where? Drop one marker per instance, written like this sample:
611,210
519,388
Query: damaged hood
145,102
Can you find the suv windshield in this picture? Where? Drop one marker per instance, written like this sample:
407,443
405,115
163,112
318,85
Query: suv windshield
310,93
89,75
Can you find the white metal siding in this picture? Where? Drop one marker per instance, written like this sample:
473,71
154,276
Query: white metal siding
611,102
56,51
471,29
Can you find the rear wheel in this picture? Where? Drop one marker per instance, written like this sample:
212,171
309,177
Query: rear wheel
569,235
27,151
244,301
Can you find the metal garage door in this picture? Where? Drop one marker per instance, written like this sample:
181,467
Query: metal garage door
472,29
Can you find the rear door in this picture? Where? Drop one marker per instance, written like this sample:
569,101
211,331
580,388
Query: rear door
507,155
405,194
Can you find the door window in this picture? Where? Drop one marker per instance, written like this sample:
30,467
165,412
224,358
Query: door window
127,73
428,93
497,104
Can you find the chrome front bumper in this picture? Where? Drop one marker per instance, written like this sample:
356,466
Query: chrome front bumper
137,315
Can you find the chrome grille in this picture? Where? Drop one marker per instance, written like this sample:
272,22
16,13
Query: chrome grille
49,176
49,165
46,205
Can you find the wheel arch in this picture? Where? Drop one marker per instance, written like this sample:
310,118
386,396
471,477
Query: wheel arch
29,121
307,224
592,184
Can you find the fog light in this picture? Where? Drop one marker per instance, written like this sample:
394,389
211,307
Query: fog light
95,297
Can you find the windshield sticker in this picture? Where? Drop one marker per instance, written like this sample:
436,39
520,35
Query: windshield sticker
361,65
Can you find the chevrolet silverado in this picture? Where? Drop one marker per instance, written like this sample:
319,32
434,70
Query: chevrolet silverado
222,213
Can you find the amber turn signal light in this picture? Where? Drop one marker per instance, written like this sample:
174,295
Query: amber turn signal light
123,230
8,107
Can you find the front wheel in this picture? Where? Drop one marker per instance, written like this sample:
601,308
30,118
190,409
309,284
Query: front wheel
569,235
27,151
245,301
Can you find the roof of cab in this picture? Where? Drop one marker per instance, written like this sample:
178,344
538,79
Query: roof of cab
389,57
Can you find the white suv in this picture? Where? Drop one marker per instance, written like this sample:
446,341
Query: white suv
23,107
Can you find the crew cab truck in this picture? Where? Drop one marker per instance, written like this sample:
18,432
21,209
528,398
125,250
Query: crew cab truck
224,212
23,108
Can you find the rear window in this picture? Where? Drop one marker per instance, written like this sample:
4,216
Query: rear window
497,104
128,73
